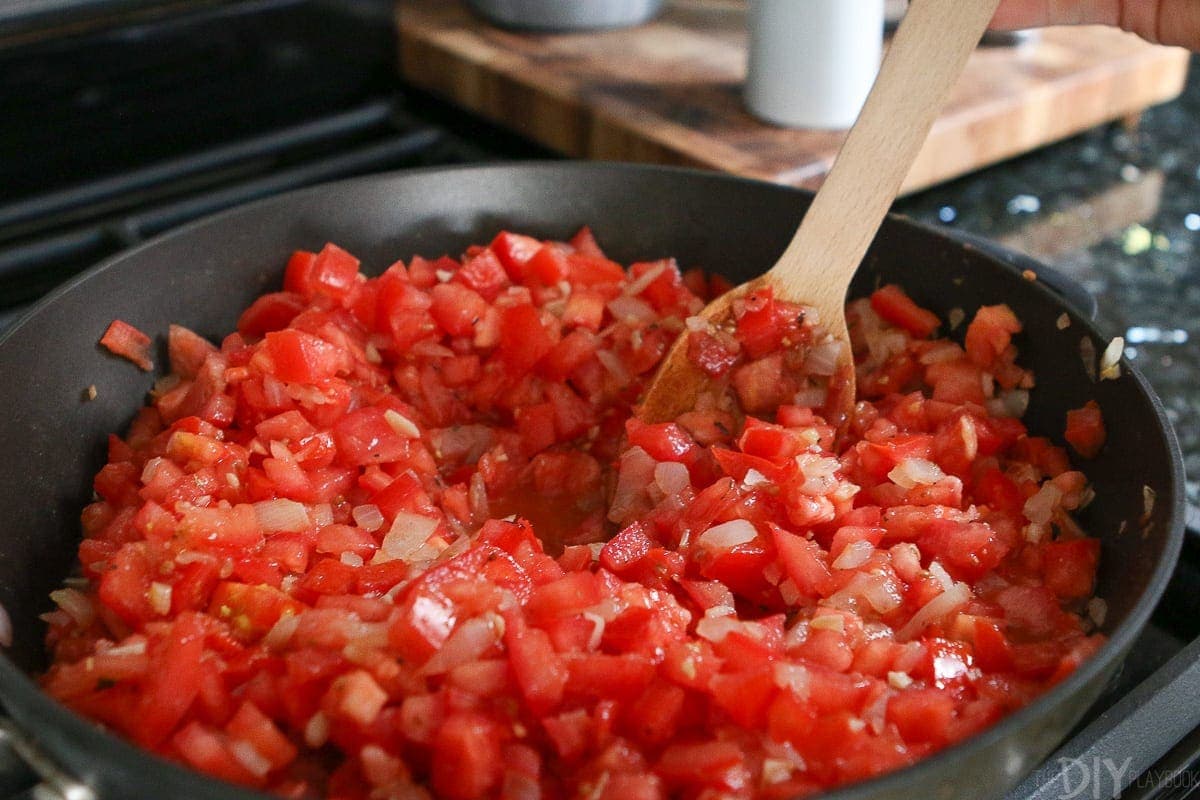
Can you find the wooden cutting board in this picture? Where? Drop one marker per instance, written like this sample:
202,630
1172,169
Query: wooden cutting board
669,92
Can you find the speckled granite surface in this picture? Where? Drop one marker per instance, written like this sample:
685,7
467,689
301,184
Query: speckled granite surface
1118,209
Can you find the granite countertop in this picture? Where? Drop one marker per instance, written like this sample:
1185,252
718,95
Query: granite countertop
1117,209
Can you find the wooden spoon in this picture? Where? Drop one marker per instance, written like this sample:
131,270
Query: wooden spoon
924,60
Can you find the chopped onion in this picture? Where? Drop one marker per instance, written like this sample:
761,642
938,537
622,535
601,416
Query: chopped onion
793,677
818,472
810,397
1097,610
939,352
955,317
1012,403
936,609
789,592
640,284
282,515
715,629
828,622
883,594
1036,531
634,474
823,358
1063,322
469,641
402,424
316,732
429,348
916,471
406,536
159,596
280,451
192,556
886,344
775,770
695,324
727,535
970,436
249,758
612,362
380,768
76,604
153,466
754,478
1016,402
351,559
672,477
906,560
477,497
1040,508
899,680
322,514
1087,351
133,646
632,309
854,555
1110,360
368,517
282,631
875,713
598,625
607,609
940,574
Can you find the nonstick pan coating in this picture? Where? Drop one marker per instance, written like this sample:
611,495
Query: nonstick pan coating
203,275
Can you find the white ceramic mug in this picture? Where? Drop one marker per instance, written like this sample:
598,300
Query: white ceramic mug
812,62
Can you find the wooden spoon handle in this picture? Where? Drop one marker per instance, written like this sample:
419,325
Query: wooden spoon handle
925,58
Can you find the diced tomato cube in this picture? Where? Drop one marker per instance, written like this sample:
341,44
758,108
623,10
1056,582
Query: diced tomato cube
1085,429
457,308
515,252
483,273
301,357
366,436
256,729
523,338
922,715
1069,567
271,312
128,342
716,764
990,333
540,672
549,265
896,307
332,272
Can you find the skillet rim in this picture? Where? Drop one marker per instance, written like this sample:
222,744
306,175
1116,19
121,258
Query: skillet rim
18,685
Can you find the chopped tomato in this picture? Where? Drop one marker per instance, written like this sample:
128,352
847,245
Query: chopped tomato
1085,429
891,303
128,342
402,536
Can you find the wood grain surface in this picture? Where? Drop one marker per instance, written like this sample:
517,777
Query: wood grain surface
668,92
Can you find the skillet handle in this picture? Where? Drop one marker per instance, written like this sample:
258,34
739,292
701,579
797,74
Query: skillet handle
1069,289
27,772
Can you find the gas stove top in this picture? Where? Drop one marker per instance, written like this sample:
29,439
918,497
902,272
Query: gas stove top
171,137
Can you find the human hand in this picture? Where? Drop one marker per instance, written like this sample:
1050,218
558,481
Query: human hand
1174,22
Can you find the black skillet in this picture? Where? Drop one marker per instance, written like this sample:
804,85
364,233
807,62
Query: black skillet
204,274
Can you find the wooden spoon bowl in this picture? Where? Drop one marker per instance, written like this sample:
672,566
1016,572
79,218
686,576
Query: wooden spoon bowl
923,62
